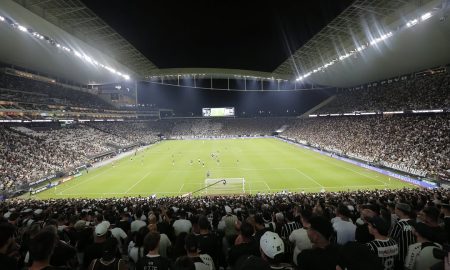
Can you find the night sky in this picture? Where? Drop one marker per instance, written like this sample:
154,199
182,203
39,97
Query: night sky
254,35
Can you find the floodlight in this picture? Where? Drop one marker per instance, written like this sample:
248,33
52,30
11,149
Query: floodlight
412,23
2,18
360,48
425,16
22,28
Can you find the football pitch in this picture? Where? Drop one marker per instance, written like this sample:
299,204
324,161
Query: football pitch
174,168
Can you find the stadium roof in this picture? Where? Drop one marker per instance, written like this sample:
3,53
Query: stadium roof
215,73
356,25
78,20
361,23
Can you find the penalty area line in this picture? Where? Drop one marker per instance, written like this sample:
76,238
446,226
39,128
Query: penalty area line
140,180
309,177
182,186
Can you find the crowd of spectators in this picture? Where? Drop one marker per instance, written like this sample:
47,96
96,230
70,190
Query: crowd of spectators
225,127
429,92
382,229
31,153
417,142
145,132
21,89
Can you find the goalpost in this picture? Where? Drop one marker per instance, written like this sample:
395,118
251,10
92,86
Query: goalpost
224,186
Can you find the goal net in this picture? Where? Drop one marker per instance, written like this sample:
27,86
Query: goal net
224,186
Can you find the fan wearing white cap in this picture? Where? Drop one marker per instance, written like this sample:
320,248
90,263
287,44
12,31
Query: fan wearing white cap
95,250
102,228
272,250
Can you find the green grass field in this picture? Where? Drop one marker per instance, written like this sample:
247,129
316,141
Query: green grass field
267,165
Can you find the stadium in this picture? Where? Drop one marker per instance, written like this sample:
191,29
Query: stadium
210,135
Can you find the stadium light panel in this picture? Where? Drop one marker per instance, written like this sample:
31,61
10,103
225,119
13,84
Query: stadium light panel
77,54
53,42
21,28
393,112
412,23
360,48
425,16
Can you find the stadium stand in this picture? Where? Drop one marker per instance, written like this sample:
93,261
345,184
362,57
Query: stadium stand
39,93
420,143
269,231
30,153
82,228
80,123
427,92
416,144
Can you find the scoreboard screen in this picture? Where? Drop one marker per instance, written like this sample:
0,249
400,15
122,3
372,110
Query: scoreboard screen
218,112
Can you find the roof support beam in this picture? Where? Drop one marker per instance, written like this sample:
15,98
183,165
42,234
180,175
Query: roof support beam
37,3
368,9
90,30
78,21
68,11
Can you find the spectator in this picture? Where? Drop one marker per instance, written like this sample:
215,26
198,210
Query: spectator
323,255
96,249
430,216
247,245
260,227
445,211
208,242
229,225
362,234
108,260
182,224
41,249
6,242
343,225
290,225
420,256
164,242
355,256
201,261
136,247
272,251
184,263
300,237
385,248
402,232
153,260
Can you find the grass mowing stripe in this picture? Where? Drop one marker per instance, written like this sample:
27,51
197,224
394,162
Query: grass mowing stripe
267,165
85,180
142,178
309,177
334,162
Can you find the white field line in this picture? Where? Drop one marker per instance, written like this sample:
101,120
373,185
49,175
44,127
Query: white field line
266,185
82,182
182,186
175,192
309,177
331,187
338,165
142,178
